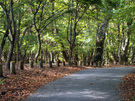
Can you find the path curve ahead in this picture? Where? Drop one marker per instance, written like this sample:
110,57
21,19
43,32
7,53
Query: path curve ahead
87,85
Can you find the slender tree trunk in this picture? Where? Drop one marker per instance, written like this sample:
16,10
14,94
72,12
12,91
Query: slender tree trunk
12,35
119,44
65,55
10,54
76,59
17,36
84,60
89,58
132,58
39,48
70,57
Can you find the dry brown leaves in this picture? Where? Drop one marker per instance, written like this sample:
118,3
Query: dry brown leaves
128,86
19,86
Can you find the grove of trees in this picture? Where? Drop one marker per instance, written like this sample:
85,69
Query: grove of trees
85,32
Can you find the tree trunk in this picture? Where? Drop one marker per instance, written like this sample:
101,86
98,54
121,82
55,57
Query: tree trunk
17,36
12,34
1,71
12,67
31,63
40,64
70,57
89,61
63,63
22,65
76,59
39,48
10,53
132,58
100,41
65,55
50,61
127,44
84,60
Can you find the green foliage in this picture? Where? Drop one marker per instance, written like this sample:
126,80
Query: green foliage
98,2
112,3
54,28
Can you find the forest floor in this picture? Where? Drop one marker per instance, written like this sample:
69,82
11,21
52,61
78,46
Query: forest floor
128,86
17,87
27,81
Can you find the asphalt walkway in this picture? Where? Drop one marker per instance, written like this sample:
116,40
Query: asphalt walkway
87,85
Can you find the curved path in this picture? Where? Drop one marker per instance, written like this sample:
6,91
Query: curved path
87,85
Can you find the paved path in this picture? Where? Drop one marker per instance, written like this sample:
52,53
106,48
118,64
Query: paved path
86,85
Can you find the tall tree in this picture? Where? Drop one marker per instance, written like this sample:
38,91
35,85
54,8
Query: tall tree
11,23
72,32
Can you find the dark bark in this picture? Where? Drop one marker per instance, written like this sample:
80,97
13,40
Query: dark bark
50,61
76,59
90,54
40,64
89,58
12,34
17,37
63,63
1,71
92,63
50,64
70,57
84,60
22,65
64,53
132,58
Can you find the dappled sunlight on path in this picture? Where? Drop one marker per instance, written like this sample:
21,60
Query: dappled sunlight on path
87,85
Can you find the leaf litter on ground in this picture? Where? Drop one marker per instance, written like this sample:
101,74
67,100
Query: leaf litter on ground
128,87
25,82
